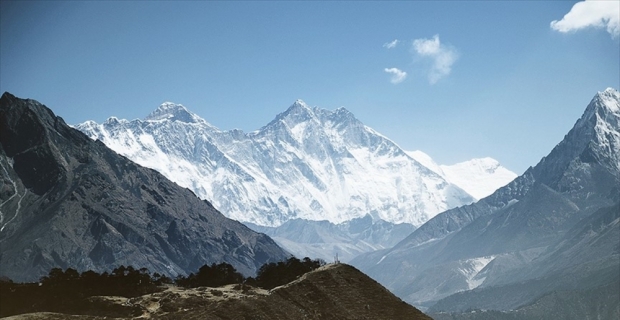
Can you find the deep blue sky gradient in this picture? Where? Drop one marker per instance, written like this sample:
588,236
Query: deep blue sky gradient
516,89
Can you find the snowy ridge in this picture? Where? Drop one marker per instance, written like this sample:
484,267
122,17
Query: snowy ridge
307,163
175,112
607,122
609,98
599,124
479,177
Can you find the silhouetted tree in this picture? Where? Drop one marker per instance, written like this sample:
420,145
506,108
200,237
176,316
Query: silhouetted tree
211,276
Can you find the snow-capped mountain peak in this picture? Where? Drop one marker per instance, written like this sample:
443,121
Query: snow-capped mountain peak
604,104
300,112
299,104
479,177
486,164
296,113
609,98
606,113
114,121
173,112
343,118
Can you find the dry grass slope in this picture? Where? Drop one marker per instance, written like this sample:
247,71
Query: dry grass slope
336,291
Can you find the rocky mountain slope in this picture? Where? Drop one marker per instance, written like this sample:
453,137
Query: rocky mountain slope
336,291
69,201
308,163
555,227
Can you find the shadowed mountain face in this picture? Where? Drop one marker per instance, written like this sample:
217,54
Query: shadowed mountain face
556,227
68,201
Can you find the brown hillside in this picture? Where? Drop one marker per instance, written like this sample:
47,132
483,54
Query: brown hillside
336,291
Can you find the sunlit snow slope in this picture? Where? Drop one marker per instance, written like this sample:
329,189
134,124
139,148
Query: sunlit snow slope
479,177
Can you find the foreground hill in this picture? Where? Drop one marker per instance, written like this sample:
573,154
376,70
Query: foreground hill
69,201
554,228
336,291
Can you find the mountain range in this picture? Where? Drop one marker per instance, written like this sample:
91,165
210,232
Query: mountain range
68,201
544,245
319,182
308,163
548,239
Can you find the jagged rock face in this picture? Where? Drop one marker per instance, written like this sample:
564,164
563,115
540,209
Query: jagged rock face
68,201
308,163
517,234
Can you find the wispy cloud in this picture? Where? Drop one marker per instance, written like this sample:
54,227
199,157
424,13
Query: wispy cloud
597,14
398,75
391,45
443,56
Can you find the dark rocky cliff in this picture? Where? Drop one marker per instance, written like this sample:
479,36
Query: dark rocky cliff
68,201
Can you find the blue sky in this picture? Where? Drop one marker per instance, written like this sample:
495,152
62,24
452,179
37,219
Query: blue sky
463,80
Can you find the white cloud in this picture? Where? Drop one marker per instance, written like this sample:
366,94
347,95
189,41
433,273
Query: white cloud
398,75
597,14
443,56
391,45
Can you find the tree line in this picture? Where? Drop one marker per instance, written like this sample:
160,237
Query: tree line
269,276
63,290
